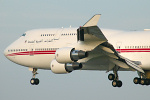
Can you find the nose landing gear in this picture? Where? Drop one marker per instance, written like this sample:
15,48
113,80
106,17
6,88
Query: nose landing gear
34,81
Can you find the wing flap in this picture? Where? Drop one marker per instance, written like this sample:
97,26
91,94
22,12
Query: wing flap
133,65
121,61
117,59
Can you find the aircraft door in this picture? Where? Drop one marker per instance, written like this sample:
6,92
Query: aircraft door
31,50
118,44
58,33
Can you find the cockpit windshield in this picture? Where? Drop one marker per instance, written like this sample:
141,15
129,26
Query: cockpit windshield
24,34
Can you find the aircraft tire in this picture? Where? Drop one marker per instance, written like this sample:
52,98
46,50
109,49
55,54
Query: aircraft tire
111,76
36,81
142,82
32,81
114,83
147,82
136,80
119,83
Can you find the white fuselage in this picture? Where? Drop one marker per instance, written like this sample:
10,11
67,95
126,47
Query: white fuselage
36,48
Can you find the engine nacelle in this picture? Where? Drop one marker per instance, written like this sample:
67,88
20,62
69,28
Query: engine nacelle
68,55
58,68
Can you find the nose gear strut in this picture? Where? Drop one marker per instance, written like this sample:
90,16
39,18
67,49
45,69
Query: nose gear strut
34,81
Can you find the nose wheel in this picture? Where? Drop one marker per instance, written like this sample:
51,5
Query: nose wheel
34,81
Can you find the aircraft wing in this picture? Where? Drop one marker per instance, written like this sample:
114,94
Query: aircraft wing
117,59
93,33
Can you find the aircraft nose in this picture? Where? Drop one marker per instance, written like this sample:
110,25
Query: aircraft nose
5,52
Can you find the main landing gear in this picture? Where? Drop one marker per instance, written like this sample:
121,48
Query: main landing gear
115,79
142,80
34,81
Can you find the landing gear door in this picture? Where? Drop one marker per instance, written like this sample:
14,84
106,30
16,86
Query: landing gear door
31,50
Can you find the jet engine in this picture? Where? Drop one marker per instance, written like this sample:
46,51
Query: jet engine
59,68
68,55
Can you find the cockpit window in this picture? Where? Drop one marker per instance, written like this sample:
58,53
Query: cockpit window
24,34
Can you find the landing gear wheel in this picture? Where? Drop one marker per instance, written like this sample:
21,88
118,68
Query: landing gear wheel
142,82
111,76
114,83
34,81
136,80
119,83
147,82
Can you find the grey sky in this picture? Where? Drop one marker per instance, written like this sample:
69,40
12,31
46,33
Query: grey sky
18,16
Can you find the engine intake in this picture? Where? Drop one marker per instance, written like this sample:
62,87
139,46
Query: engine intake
68,55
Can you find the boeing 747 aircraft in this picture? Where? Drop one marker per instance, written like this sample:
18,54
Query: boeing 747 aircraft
85,48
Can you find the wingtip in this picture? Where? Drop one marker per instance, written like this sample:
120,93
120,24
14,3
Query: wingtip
93,21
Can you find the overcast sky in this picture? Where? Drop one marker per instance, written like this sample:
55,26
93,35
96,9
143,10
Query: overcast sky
18,16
